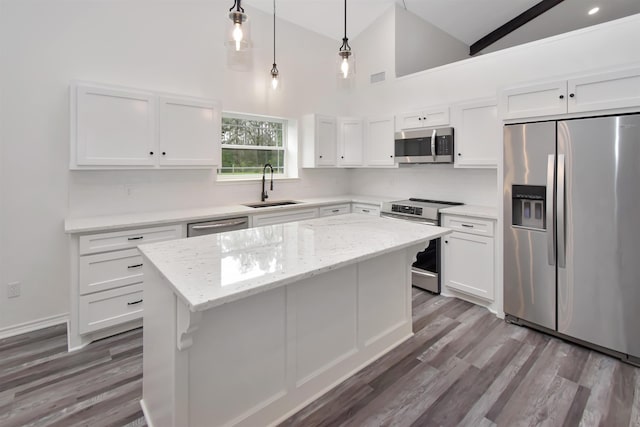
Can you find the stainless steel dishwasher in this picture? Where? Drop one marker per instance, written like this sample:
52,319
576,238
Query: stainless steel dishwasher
217,226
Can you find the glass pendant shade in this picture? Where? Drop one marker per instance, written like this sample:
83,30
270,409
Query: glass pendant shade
275,78
238,39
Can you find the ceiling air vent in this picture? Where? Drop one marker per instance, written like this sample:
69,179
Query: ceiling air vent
378,77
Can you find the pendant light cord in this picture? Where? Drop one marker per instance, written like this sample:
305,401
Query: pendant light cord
345,19
274,32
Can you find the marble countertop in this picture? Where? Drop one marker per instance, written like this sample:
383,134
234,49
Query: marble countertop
113,222
212,270
487,212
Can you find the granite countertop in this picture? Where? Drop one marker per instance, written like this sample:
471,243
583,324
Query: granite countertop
487,212
113,222
212,270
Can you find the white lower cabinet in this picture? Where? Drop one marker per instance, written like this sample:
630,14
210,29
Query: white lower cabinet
335,209
108,280
469,256
282,217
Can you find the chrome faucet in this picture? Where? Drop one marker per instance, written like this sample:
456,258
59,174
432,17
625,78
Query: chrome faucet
264,195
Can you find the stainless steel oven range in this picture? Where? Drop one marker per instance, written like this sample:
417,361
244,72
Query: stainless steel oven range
425,272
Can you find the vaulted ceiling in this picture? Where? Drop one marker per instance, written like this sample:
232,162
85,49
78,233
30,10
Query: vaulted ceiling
466,20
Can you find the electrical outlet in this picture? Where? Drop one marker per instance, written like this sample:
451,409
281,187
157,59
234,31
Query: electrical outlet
13,290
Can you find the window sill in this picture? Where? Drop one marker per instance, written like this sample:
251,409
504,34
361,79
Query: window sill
253,179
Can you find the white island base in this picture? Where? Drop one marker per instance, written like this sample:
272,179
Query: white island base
257,360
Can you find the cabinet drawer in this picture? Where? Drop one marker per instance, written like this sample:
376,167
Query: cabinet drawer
117,240
109,308
335,210
366,209
483,227
280,218
100,272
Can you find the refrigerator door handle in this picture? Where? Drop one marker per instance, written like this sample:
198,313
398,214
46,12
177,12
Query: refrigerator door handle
551,244
433,144
562,258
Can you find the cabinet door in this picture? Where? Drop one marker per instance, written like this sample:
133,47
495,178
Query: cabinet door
533,101
350,141
409,121
189,132
468,264
618,89
380,141
435,116
112,127
478,134
326,140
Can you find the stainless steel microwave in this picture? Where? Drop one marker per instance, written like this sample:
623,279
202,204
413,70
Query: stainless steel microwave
424,146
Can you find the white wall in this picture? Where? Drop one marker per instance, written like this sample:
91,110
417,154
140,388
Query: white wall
374,49
421,45
172,46
587,50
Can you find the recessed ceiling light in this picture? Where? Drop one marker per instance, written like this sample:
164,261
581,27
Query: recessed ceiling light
594,11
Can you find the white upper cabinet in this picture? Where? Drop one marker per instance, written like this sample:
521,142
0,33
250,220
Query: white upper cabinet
379,143
618,89
189,132
319,136
544,99
350,141
596,92
426,117
121,128
478,133
112,127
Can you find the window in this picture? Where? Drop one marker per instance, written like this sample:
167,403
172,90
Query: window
250,142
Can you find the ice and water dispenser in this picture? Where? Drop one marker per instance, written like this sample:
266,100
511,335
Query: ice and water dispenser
529,205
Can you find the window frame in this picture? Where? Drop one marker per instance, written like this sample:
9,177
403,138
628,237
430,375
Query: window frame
289,144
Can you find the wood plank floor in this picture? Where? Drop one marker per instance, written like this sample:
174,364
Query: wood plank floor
462,367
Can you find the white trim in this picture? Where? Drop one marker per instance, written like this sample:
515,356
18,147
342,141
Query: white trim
34,325
250,179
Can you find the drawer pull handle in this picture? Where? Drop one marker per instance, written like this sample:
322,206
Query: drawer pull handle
134,266
366,210
467,225
335,210
135,302
136,238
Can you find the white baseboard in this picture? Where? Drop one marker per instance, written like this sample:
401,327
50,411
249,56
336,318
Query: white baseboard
33,325
145,413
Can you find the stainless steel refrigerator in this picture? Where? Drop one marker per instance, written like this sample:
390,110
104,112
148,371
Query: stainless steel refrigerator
572,229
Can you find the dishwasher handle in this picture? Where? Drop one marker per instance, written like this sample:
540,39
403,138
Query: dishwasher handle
218,225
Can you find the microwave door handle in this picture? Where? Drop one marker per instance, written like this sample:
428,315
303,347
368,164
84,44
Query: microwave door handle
433,144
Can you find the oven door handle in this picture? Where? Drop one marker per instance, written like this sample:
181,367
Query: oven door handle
406,218
420,272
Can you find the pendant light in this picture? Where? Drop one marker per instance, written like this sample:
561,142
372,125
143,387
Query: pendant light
274,69
347,60
238,17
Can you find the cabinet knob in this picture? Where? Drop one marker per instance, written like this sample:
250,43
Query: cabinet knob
151,153
342,157
320,156
571,95
419,118
446,241
424,118
391,156
164,153
561,96
459,154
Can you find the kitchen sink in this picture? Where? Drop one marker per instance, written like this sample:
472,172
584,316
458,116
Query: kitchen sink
269,204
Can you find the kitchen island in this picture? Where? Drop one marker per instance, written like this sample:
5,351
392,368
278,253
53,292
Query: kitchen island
246,327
